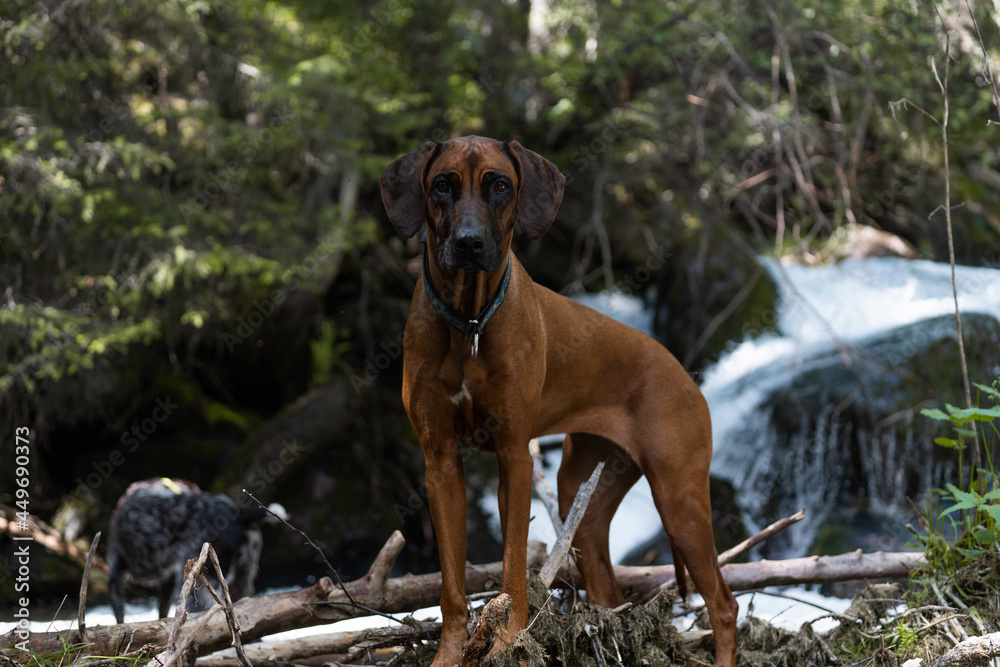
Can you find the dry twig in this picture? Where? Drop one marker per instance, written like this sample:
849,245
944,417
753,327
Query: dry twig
573,519
81,615
542,487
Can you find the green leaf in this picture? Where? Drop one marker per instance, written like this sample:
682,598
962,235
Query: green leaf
974,414
988,390
964,496
934,413
949,443
984,536
993,511
956,507
970,553
992,495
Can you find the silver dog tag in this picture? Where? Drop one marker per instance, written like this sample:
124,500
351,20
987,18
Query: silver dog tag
475,345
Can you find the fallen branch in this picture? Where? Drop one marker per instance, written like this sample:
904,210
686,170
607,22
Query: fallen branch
47,536
324,603
81,614
808,570
573,519
729,555
398,635
191,572
311,646
971,652
493,618
226,602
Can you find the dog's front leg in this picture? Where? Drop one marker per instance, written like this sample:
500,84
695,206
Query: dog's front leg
514,497
445,478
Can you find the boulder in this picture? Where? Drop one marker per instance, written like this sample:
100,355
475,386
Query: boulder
844,437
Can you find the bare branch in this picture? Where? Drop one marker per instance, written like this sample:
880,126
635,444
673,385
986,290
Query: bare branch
943,85
749,543
82,610
573,519
542,487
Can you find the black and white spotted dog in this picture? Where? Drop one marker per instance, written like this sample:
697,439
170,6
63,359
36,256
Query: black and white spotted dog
159,524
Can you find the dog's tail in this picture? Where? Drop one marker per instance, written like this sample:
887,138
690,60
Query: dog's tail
680,574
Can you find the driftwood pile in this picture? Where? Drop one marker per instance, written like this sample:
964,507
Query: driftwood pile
190,639
251,619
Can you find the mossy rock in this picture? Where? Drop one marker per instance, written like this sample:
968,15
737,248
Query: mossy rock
844,437
714,293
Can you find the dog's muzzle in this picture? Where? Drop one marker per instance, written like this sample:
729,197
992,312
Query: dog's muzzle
470,247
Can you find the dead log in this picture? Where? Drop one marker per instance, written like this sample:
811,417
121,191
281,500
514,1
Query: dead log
493,618
319,604
324,603
47,536
971,652
808,570
293,437
300,648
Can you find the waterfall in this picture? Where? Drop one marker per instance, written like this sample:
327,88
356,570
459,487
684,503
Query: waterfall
847,469
871,318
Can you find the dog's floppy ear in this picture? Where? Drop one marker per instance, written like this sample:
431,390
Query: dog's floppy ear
403,190
541,189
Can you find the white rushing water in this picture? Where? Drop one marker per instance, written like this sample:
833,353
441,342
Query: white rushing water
822,310
824,306
819,309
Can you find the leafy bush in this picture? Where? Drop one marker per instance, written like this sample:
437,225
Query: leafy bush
962,521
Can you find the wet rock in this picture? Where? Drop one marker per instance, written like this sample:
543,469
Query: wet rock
845,438
713,292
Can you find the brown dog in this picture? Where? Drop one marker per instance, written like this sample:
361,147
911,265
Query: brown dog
487,351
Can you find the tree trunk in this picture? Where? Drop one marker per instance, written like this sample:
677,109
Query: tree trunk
307,426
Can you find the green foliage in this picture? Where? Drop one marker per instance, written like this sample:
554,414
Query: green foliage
149,170
326,354
167,166
963,524
904,639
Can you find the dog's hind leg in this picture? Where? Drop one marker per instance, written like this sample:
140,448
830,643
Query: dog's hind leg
116,587
678,478
581,454
169,590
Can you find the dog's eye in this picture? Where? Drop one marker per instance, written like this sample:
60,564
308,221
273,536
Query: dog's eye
442,186
499,187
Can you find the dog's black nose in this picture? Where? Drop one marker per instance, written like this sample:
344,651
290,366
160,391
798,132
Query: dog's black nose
469,242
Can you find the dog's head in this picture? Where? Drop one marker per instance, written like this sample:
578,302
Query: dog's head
471,191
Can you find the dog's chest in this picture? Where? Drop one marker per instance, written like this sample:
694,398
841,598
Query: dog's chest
475,423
